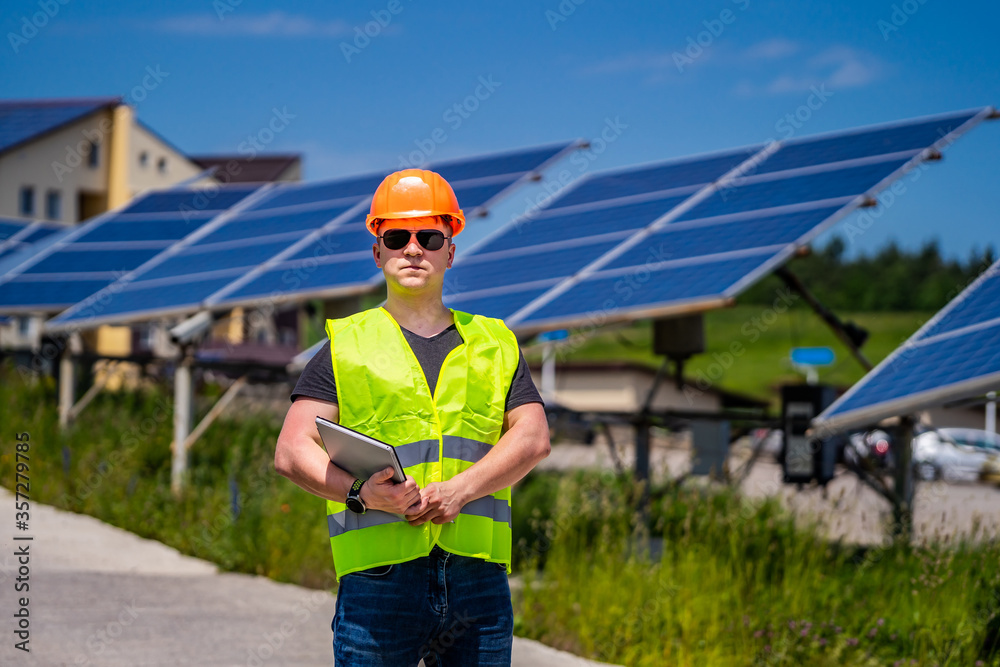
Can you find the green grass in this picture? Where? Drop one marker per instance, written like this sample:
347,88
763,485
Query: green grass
747,347
704,577
114,464
740,584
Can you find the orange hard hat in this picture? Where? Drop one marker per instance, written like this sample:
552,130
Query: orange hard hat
415,193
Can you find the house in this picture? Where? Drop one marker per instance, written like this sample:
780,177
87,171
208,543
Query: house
71,159
252,169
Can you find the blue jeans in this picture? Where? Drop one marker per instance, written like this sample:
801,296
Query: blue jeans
447,609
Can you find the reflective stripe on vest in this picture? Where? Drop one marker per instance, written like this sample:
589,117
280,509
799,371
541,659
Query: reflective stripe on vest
382,391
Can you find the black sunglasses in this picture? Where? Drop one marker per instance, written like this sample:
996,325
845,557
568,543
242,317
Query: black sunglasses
429,239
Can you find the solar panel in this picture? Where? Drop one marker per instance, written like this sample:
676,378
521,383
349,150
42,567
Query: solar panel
689,174
287,241
512,163
955,355
17,236
101,251
685,235
865,143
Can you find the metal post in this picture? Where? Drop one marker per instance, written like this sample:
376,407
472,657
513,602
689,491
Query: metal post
182,420
642,428
549,371
991,412
67,385
902,506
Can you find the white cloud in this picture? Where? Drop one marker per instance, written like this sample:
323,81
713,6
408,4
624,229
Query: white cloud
778,66
632,62
837,67
273,24
771,49
851,67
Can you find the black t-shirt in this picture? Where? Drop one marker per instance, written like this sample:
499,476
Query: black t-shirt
317,379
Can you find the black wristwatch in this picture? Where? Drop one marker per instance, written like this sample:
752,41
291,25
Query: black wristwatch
354,502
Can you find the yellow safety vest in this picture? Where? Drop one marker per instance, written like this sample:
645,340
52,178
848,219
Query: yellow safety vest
382,392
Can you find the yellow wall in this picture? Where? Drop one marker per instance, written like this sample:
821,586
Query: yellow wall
57,161
114,341
118,190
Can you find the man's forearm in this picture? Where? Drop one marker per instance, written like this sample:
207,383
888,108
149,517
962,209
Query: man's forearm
309,467
519,450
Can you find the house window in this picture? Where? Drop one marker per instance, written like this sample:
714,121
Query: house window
24,326
53,205
161,165
93,152
144,159
27,201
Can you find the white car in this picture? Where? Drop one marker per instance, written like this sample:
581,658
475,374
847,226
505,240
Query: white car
953,454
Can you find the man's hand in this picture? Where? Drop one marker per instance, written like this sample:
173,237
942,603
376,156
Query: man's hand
381,493
440,502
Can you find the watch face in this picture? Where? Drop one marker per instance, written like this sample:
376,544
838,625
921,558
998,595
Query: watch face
355,505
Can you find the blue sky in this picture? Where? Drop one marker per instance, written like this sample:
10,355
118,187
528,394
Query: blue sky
543,71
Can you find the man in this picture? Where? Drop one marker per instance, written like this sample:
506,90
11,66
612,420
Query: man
423,564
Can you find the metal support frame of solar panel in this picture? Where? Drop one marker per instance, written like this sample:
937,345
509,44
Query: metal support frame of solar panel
262,255
99,252
687,235
955,355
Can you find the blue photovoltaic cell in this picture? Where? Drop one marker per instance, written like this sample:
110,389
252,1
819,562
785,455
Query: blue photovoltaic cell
930,366
293,195
153,297
343,238
78,260
509,163
47,294
980,305
549,228
144,230
671,244
8,229
469,197
194,200
196,260
961,346
911,136
604,296
495,305
525,268
74,260
298,276
38,233
245,226
794,190
685,173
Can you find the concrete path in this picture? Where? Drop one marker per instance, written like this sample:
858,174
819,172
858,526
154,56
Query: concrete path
99,595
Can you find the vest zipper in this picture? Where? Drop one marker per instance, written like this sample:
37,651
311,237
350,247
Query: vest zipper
435,528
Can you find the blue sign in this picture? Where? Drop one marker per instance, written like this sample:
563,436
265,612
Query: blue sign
559,334
812,356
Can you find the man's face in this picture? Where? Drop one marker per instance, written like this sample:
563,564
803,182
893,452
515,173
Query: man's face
413,267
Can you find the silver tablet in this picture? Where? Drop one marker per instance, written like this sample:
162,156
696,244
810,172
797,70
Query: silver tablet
357,453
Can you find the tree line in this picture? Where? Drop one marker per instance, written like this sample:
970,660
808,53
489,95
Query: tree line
891,279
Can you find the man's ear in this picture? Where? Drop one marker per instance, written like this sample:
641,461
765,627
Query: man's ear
375,254
451,254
